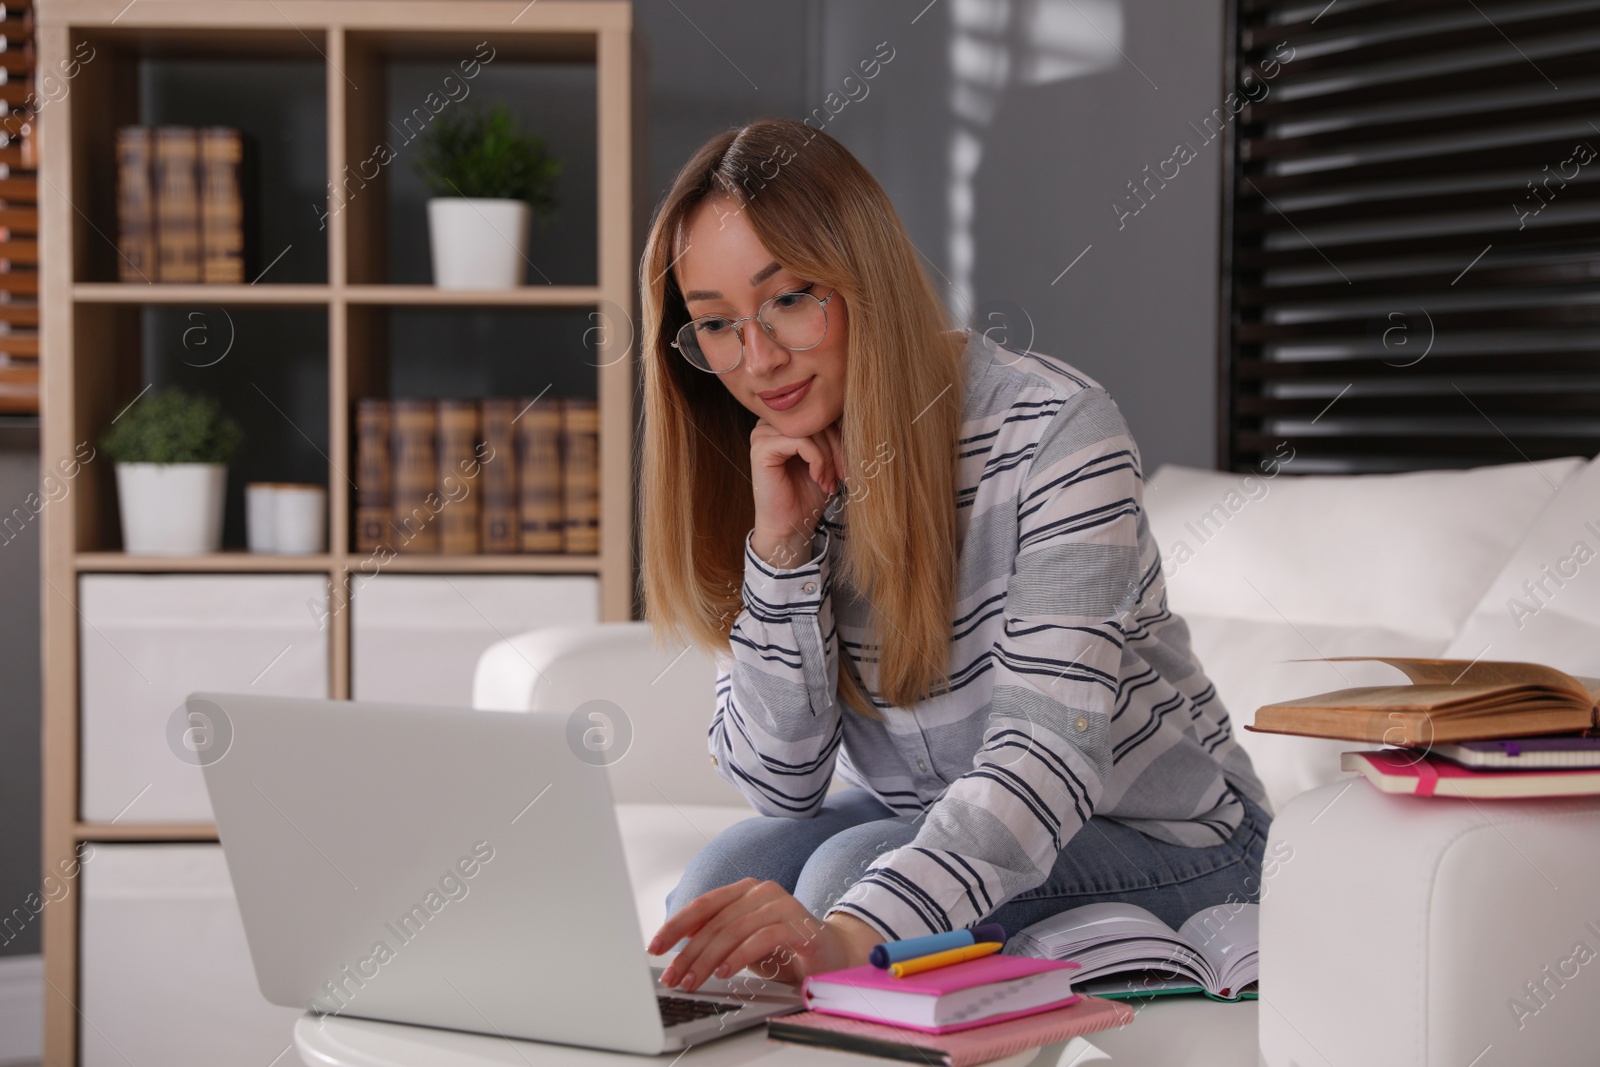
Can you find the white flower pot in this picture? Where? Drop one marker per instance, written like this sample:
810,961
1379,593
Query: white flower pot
478,244
171,509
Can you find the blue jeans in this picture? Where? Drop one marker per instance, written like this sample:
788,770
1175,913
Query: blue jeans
819,858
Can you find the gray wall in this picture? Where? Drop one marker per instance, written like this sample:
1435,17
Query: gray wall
1003,130
19,688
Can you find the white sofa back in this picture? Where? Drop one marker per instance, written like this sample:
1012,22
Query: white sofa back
1268,570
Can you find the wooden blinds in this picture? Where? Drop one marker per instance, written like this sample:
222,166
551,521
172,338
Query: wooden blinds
1411,234
20,101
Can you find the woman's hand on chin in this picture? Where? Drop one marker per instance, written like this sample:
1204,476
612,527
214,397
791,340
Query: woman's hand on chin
761,926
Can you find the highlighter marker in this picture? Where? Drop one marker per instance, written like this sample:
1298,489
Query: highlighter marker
918,964
886,952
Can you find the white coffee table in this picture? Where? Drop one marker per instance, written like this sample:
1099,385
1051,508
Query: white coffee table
1166,1032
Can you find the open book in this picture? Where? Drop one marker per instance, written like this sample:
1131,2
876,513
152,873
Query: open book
1125,951
1449,700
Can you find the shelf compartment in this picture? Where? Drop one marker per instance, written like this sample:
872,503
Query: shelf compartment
269,83
267,366
407,79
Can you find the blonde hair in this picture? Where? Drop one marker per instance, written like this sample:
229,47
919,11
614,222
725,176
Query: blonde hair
823,217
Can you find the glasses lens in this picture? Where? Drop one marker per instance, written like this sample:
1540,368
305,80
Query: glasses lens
796,321
711,343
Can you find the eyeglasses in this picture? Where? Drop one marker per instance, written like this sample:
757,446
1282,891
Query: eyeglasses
714,343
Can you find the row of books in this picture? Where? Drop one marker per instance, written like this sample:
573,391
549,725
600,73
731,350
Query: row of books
1476,728
459,477
180,204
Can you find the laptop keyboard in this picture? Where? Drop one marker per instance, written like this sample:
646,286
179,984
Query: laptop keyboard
675,1010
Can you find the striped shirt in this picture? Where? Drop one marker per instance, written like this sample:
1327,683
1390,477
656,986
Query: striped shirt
1072,692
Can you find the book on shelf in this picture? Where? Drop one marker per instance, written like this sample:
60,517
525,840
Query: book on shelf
459,470
181,203
540,474
957,996
1125,951
177,185
960,1048
374,487
475,476
415,451
136,221
1448,700
1418,772
500,531
580,476
221,205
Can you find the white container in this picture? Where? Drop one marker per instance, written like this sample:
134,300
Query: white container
299,515
260,516
165,975
148,641
478,243
416,638
171,509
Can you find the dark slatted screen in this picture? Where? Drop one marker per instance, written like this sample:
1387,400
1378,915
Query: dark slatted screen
1412,234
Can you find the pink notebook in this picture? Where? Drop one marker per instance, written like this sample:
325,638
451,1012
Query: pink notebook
985,970
963,1049
1427,775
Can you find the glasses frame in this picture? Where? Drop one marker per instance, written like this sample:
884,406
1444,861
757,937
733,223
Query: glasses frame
767,328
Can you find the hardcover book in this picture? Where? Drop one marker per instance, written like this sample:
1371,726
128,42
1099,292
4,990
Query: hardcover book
1448,701
497,481
136,222
221,205
539,471
580,453
458,477
177,203
417,503
374,487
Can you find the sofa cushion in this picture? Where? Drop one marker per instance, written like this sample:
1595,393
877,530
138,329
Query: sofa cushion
658,841
1544,605
1412,552
1268,570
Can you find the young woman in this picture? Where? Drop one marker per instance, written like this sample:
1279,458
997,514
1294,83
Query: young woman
920,560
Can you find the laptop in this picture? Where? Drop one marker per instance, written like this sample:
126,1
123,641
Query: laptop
444,867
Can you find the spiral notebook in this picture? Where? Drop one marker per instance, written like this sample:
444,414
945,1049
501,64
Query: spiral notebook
963,1048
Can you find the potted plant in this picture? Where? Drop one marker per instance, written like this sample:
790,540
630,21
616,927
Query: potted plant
488,180
171,451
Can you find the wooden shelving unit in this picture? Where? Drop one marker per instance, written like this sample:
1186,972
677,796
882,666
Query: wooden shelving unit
91,323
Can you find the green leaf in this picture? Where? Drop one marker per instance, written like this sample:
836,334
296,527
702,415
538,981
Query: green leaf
473,153
170,426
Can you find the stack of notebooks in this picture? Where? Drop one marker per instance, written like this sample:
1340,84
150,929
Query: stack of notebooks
956,1007
459,477
1460,728
180,204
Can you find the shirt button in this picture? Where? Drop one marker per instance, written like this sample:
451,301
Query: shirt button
809,587
922,765
1080,724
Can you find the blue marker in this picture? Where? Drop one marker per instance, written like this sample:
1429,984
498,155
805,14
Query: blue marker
885,953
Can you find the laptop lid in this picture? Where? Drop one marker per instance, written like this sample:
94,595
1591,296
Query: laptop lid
429,865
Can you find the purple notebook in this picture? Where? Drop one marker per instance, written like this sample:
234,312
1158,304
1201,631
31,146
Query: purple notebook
1525,753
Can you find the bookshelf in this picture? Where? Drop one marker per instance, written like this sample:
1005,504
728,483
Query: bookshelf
318,320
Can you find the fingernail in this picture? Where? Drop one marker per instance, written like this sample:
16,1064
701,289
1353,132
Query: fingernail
688,981
722,972
668,976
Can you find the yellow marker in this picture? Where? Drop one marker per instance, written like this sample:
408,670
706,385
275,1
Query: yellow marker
917,964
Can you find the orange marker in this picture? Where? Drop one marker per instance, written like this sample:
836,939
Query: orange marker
918,964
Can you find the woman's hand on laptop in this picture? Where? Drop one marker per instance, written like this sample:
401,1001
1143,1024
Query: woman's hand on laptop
761,926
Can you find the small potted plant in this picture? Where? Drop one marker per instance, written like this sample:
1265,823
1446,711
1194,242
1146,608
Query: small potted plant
488,180
171,451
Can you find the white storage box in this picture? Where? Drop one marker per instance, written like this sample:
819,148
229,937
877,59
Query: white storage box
416,639
166,976
148,641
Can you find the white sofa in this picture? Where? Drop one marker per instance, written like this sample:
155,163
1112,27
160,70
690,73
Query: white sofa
1267,569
